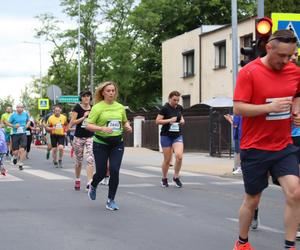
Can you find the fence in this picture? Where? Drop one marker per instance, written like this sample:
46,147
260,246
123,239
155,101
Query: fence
205,130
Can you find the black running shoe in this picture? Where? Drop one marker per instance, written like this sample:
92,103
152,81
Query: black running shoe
164,182
20,167
15,160
177,182
55,163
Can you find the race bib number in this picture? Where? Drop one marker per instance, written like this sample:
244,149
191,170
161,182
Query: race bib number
174,127
83,124
114,124
20,130
27,132
58,126
278,116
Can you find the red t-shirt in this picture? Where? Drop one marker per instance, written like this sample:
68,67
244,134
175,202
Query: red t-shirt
257,84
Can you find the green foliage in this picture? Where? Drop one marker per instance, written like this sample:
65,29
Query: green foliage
7,101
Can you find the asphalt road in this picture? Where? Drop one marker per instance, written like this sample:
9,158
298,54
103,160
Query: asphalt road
39,209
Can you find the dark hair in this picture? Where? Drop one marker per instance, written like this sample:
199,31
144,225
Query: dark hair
85,92
174,93
284,36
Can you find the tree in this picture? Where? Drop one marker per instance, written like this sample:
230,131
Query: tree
4,102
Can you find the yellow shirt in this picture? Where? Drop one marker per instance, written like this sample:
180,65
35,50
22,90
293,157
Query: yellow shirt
58,123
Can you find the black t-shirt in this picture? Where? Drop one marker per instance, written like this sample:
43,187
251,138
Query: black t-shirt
80,130
167,111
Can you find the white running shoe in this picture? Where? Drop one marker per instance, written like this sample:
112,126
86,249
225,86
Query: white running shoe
105,181
238,171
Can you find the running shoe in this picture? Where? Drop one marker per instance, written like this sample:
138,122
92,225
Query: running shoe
20,167
3,171
238,171
15,160
48,154
105,181
298,233
87,187
55,163
164,182
60,163
246,246
111,205
77,185
92,193
177,182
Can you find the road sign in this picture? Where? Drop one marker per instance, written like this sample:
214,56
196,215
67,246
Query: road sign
53,92
68,99
289,21
43,104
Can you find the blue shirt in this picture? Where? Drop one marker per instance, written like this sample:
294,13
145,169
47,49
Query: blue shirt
237,127
3,146
20,119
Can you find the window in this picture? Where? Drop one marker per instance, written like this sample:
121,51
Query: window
220,53
186,101
188,63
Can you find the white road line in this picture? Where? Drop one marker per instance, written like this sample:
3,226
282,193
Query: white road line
156,200
136,174
71,170
137,185
9,177
227,183
182,173
260,226
46,175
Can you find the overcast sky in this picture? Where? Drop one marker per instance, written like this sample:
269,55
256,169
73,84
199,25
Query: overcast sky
20,61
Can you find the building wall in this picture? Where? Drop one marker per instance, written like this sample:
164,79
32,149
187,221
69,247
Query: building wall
172,65
218,82
214,82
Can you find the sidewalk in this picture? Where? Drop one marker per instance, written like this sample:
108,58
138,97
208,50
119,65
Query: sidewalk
193,162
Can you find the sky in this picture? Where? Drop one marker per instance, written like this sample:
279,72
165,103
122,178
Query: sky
19,50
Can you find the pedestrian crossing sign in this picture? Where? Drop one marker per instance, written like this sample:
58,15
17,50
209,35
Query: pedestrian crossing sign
289,21
43,103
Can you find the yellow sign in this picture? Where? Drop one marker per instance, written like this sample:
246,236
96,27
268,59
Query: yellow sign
289,21
43,103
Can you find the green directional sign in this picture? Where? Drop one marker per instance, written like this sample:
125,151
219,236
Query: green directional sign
68,99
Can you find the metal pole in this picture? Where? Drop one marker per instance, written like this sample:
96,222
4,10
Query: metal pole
78,50
41,85
234,41
260,8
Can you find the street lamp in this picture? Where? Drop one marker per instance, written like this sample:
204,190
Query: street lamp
40,55
78,50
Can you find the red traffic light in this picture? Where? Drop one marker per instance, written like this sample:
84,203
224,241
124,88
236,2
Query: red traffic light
264,26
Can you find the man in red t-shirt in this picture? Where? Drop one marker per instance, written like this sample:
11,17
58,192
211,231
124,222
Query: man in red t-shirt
264,95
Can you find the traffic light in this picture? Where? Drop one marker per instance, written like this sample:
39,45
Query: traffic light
263,30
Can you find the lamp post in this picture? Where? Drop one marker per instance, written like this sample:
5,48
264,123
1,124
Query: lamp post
78,50
40,56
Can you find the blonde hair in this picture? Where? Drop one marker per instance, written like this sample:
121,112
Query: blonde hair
98,97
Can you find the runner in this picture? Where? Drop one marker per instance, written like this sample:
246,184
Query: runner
7,129
263,96
57,125
83,138
171,119
3,151
107,119
47,133
19,121
29,131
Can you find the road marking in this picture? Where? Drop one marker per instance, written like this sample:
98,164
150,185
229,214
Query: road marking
9,177
227,183
46,175
71,170
182,173
156,200
137,185
136,174
260,226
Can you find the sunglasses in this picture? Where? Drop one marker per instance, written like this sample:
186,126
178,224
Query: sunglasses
284,39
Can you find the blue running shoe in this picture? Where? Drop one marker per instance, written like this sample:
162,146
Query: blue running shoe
111,205
92,193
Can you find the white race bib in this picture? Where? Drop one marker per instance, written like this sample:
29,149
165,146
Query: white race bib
58,126
278,116
20,130
115,125
83,124
174,127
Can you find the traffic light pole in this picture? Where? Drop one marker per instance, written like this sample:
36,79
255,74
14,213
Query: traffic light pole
260,8
234,41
